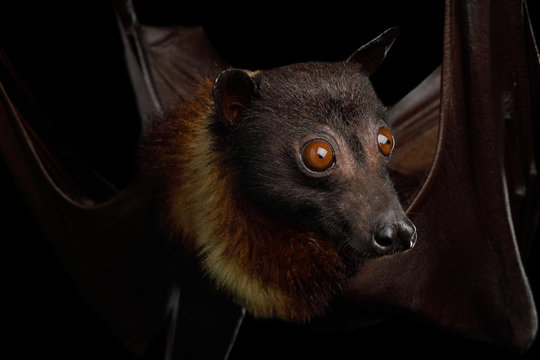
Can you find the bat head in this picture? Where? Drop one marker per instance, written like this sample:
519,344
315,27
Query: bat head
311,142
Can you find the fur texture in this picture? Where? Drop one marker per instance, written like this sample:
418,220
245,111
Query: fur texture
272,267
278,237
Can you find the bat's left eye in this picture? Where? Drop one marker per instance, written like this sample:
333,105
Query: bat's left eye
318,155
386,141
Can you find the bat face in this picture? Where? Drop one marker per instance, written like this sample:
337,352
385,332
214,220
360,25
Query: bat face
277,181
312,147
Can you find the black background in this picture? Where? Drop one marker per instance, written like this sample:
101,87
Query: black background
70,54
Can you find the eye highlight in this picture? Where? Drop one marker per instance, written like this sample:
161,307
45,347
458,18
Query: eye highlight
386,141
318,155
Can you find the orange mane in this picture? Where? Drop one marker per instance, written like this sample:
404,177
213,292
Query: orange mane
270,266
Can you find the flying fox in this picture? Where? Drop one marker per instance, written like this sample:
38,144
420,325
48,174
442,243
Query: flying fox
276,181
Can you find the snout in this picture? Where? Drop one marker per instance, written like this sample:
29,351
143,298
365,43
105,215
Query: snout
393,234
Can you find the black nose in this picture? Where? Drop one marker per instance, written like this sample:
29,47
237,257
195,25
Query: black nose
394,237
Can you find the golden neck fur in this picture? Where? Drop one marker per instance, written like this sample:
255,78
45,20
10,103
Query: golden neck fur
268,265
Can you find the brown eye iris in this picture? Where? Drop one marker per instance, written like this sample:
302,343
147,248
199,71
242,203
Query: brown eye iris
386,141
318,155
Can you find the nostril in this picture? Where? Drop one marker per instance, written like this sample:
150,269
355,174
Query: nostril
413,237
407,234
385,238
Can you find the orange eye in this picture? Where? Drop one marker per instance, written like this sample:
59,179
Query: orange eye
386,141
318,155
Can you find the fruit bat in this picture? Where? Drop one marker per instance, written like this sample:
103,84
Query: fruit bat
475,212
277,180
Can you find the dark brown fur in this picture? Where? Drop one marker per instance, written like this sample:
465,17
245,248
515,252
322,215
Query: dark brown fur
272,267
280,239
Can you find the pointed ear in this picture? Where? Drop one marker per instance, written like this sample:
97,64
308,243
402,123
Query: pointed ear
371,55
232,92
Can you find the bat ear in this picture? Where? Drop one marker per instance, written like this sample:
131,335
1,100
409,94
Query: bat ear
232,92
371,55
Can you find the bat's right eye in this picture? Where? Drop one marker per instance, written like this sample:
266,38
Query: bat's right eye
386,141
318,155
